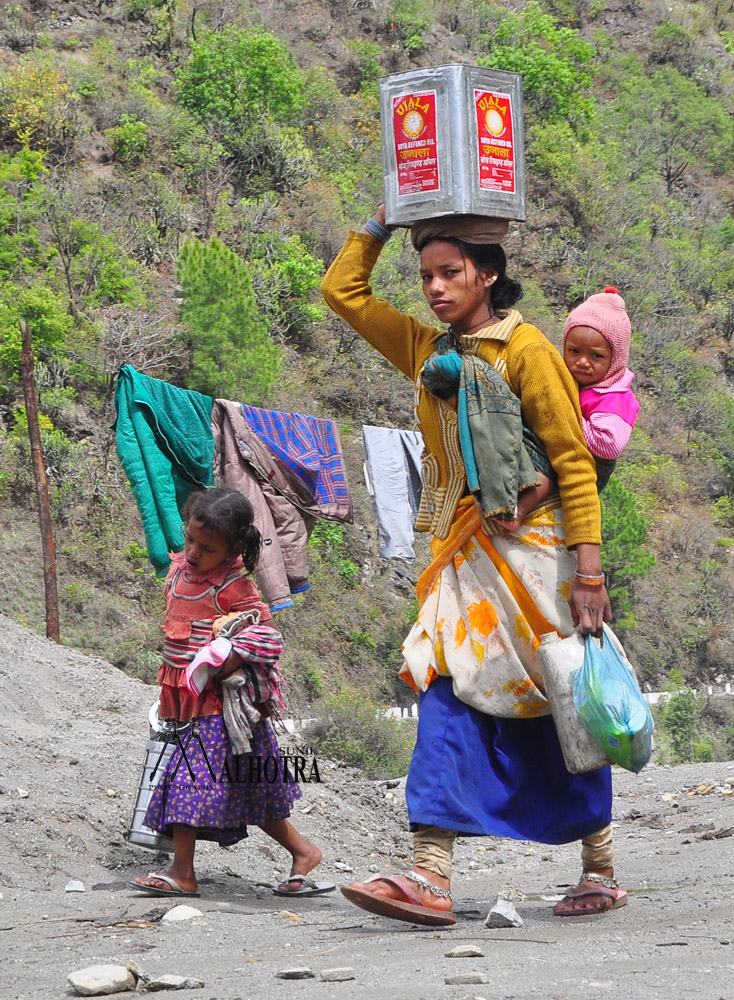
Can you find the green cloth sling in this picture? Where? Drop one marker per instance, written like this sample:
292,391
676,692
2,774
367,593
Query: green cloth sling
164,440
500,454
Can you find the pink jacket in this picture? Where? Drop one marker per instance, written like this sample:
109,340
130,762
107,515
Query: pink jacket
607,419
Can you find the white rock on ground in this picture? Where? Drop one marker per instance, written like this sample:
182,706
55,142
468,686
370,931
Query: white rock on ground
465,951
503,914
101,980
341,975
182,912
466,979
171,983
298,973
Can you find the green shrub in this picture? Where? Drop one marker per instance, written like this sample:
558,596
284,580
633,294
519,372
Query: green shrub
67,466
285,277
234,77
76,595
367,56
327,539
354,730
310,675
129,139
406,20
36,108
57,401
703,751
679,719
722,511
246,89
554,62
625,554
349,571
46,313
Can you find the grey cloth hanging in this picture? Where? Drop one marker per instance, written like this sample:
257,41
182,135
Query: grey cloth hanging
393,476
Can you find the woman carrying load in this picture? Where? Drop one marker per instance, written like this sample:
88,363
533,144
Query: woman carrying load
487,760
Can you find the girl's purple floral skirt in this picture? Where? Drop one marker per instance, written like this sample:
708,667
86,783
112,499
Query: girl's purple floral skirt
229,792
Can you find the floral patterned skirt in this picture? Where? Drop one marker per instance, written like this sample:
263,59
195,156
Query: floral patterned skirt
485,600
218,792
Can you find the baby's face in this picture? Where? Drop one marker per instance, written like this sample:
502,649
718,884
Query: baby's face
587,354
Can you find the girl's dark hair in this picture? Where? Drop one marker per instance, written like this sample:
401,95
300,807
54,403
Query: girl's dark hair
229,514
505,292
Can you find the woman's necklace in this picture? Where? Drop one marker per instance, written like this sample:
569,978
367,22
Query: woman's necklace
458,334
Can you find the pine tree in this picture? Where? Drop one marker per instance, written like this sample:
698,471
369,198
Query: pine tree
625,554
232,355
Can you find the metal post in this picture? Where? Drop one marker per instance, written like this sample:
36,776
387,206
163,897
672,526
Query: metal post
39,474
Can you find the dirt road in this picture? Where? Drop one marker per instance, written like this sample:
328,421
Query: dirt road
72,733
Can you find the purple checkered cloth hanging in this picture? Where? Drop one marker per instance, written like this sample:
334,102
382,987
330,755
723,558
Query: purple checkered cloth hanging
308,446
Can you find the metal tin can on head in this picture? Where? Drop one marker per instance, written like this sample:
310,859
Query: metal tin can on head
452,143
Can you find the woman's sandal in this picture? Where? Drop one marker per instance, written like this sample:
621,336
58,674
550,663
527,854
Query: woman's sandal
306,887
410,907
604,890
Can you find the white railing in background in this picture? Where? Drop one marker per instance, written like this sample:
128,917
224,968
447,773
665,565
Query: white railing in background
396,712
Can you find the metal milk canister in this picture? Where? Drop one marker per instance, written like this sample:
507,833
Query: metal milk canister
157,755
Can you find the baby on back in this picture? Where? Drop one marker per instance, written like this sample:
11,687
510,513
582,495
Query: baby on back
596,345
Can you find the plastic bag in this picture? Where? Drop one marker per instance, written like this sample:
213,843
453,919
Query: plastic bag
610,704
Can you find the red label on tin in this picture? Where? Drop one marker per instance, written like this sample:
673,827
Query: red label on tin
414,134
494,136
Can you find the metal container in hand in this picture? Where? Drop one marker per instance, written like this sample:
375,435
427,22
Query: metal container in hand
158,752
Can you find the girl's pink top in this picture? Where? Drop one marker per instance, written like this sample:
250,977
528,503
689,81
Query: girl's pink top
194,601
608,416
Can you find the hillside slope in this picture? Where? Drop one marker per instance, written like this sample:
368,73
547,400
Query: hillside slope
134,129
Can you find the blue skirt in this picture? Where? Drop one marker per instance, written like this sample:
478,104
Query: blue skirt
485,776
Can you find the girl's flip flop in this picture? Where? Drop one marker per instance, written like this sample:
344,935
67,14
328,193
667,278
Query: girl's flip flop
308,887
152,890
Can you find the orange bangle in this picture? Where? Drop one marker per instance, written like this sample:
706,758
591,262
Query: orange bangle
590,581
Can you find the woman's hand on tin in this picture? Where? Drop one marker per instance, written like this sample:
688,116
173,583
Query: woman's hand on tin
590,607
379,217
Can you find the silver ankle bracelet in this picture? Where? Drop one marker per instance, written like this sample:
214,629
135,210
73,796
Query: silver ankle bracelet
435,889
610,883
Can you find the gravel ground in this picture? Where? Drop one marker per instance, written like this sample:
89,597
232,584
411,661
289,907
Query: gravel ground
72,737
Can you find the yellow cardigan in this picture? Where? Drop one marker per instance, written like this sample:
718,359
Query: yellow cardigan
530,365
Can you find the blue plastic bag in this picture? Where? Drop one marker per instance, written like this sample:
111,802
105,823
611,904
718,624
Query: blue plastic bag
610,704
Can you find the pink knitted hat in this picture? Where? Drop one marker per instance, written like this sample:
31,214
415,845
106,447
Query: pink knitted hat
605,313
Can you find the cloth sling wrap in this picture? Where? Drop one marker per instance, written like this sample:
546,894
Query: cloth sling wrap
501,455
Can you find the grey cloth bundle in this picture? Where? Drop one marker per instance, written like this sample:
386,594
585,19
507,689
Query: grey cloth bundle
238,712
470,228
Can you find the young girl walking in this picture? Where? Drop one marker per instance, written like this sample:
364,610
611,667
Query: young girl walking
191,802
